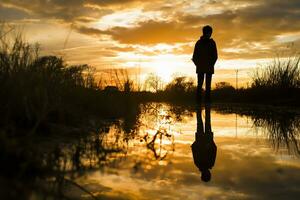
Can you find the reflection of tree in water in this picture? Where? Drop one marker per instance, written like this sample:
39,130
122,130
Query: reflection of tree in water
109,145
158,127
282,129
154,130
70,161
151,129
47,169
156,145
180,112
54,164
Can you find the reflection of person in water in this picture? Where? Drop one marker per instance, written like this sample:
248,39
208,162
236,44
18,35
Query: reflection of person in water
204,148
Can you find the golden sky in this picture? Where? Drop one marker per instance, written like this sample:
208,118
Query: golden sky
157,35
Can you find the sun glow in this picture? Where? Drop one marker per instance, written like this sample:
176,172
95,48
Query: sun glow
165,66
164,72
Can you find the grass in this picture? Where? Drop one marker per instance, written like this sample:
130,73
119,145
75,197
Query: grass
42,96
282,73
38,90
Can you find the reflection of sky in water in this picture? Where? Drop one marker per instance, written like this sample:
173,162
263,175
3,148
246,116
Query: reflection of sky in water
246,167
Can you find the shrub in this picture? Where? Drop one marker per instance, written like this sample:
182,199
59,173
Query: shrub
181,85
224,85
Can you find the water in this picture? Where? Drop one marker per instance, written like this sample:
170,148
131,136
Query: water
150,156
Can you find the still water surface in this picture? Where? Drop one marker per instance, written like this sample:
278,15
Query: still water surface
248,156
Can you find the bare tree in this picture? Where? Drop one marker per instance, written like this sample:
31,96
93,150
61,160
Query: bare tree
153,83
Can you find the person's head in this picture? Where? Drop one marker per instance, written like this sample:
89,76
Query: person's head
205,175
207,31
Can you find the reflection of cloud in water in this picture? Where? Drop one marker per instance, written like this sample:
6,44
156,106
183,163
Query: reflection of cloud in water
243,171
246,166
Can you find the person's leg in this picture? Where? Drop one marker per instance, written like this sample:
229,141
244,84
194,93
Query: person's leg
200,78
207,86
200,128
207,119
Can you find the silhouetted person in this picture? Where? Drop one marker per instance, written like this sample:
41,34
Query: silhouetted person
204,148
204,57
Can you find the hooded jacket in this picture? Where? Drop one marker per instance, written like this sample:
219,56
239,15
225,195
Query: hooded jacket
205,55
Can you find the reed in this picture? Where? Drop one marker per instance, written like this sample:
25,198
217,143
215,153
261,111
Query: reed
35,89
281,73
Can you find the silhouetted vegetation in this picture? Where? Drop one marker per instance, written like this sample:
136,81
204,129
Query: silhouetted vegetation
279,125
282,73
180,89
277,83
36,90
42,96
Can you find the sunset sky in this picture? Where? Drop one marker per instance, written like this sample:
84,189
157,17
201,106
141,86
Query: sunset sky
158,35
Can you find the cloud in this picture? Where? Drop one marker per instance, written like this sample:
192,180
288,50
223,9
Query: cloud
246,27
12,13
244,169
89,30
69,10
243,29
153,32
66,10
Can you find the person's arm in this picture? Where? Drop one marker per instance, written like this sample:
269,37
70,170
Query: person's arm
214,53
213,154
195,57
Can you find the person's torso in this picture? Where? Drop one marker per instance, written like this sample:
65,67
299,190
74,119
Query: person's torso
204,153
205,49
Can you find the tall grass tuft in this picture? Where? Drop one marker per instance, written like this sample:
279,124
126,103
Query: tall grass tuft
281,73
33,86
